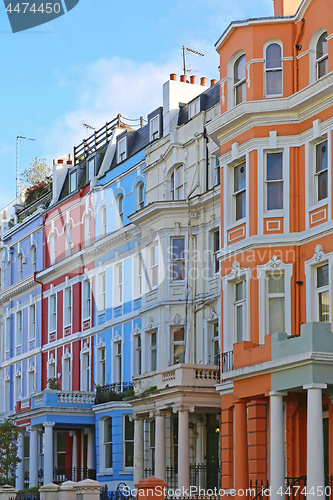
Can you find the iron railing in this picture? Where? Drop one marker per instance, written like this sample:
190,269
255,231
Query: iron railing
61,474
295,489
201,475
226,362
119,494
113,392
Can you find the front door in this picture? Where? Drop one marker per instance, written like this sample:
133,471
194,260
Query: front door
212,457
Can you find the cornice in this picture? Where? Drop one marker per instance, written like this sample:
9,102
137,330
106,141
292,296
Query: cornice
18,288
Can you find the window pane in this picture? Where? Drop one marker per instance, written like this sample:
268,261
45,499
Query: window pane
129,429
153,360
273,56
321,156
129,454
322,186
274,166
274,195
276,283
239,291
240,205
322,276
108,456
276,314
241,93
322,46
153,339
178,335
239,321
178,248
108,430
274,82
177,270
239,177
324,307
239,69
323,67
179,354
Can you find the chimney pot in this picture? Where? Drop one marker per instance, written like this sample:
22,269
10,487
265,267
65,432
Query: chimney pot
193,79
183,78
203,81
173,76
60,161
212,82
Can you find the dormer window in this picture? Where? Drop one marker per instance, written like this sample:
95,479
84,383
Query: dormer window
194,108
122,150
240,80
322,56
154,128
73,181
90,169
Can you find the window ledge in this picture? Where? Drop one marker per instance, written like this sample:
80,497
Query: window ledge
236,224
319,204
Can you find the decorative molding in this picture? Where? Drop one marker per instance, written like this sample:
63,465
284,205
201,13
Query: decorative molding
183,407
136,330
151,324
177,320
236,270
100,344
223,92
318,253
213,314
274,262
248,80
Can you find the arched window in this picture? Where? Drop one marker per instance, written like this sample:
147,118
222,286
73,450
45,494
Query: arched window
240,80
140,196
19,267
273,70
177,183
103,221
120,210
33,259
68,240
322,56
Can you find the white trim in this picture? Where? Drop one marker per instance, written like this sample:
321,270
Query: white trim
319,258
265,47
273,265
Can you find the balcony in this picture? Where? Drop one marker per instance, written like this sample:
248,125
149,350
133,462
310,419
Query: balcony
184,375
58,398
113,392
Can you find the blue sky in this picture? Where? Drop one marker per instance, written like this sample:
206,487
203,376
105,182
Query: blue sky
102,58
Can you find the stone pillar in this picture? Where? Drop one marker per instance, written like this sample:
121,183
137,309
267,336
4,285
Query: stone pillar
257,438
241,454
19,482
150,488
138,449
33,454
48,454
183,445
315,440
88,490
160,445
7,492
67,491
74,456
277,460
90,448
49,491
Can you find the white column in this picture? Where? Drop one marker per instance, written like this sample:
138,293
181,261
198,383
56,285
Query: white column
138,450
90,449
160,445
33,465
277,460
48,452
75,475
19,482
183,445
315,441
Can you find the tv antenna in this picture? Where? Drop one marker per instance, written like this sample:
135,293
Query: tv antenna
87,126
188,50
18,139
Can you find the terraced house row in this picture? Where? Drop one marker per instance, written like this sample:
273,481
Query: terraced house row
167,304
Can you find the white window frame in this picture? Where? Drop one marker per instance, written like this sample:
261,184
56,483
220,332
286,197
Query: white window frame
72,182
32,322
7,334
240,191
127,468
103,220
86,296
18,386
19,328
122,150
214,264
67,375
102,291
241,303
52,362
87,228
31,380
274,265
154,268
19,267
312,307
171,259
68,306
317,174
140,200
271,70
311,186
33,259
154,128
120,210
323,289
175,343
268,182
90,163
53,313
153,350
240,82
101,367
102,443
118,357
320,59
138,354
274,295
53,245
194,108
119,281
85,355
138,272
236,275
68,240
177,188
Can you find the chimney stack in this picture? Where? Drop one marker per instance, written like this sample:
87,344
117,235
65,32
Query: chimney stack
286,7
193,79
173,76
212,82
203,81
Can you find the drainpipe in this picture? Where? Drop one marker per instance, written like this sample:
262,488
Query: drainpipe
42,285
297,47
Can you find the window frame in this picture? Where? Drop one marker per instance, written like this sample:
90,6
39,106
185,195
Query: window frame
240,304
85,381
120,209
317,174
323,289
72,184
19,263
275,295
67,375
153,351
87,229
177,343
172,260
102,291
152,133
154,265
194,108
239,82
272,70
89,162
86,297
103,221
127,468
322,58
68,240
122,153
239,192
68,306
53,249
267,182
53,313
177,189
319,259
18,328
107,443
140,203
32,322
33,259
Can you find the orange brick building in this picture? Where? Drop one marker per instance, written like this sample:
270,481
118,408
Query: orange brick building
275,135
